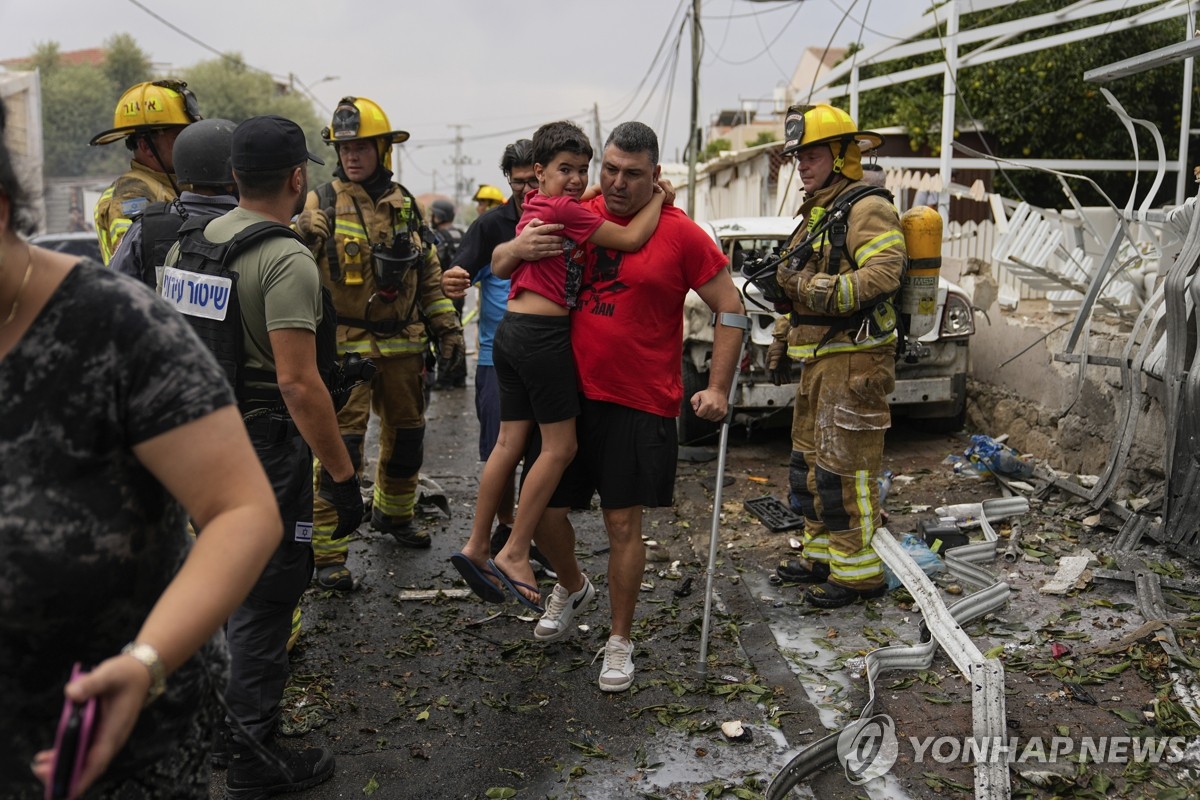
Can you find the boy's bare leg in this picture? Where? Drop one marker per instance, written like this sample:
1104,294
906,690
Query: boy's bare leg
558,450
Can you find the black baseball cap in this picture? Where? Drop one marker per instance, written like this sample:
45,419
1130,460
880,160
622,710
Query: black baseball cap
262,144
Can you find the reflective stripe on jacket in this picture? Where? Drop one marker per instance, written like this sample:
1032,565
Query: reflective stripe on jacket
128,195
875,241
359,225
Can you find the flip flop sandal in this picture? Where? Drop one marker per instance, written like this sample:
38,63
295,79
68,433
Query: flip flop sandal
514,587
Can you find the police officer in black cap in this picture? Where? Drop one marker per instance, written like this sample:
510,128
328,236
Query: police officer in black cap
290,417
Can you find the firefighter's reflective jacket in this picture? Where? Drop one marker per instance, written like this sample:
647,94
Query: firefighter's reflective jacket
858,312
370,322
128,196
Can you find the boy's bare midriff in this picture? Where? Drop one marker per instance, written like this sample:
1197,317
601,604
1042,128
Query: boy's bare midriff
527,302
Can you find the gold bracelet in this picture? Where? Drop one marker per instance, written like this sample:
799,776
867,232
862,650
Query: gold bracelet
150,659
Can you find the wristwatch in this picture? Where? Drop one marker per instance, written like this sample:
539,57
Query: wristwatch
149,658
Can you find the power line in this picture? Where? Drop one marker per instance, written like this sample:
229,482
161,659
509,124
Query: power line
779,7
228,57
653,61
205,45
825,52
767,45
667,65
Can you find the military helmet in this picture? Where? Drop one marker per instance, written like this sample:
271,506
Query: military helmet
441,211
360,118
488,194
822,124
151,106
201,153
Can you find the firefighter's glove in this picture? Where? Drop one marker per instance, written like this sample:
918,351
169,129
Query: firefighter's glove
779,366
452,352
313,225
792,280
348,502
818,292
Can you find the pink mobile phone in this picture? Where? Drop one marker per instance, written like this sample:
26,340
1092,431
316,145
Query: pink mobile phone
76,726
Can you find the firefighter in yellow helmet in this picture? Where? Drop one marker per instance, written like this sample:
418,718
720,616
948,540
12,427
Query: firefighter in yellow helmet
487,198
377,258
148,117
842,269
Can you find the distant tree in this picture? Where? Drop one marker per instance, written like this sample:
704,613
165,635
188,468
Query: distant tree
46,57
77,103
226,87
714,148
764,137
125,63
1038,105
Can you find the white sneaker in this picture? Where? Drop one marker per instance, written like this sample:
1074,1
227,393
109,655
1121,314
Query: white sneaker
616,675
561,609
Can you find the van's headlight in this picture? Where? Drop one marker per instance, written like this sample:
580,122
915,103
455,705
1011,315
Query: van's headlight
958,320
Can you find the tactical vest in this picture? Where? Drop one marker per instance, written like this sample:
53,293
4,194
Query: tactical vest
449,240
202,286
160,230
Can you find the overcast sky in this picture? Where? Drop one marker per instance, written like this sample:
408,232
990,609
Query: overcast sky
499,68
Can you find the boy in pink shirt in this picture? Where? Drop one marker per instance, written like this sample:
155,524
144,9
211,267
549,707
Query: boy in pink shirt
535,367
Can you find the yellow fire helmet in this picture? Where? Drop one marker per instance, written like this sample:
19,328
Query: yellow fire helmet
488,194
360,118
804,126
151,106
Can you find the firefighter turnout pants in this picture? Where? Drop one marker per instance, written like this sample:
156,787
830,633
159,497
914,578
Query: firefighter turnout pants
397,395
838,426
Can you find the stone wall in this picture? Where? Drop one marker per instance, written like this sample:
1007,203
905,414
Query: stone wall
1019,388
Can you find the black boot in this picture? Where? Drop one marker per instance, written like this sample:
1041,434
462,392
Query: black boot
833,595
793,571
252,777
404,532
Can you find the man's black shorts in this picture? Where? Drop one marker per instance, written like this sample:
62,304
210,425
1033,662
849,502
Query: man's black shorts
626,455
535,368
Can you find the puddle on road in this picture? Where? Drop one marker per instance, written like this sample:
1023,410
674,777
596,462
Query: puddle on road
681,760
825,681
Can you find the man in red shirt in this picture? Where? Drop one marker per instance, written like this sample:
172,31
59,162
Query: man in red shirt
627,337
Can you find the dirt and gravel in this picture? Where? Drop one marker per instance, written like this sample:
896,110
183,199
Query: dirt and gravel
422,691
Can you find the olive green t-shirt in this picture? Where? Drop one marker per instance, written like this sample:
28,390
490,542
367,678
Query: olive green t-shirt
278,285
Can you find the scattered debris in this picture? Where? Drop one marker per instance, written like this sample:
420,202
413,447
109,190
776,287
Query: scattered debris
990,456
1072,574
734,731
774,514
433,594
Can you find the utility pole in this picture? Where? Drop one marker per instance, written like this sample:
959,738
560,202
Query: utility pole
459,161
597,141
693,119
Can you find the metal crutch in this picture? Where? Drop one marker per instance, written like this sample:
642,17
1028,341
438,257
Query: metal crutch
729,320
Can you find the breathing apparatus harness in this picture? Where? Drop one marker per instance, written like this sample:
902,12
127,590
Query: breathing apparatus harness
390,265
880,315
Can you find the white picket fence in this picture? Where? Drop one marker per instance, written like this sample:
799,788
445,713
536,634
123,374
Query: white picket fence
964,240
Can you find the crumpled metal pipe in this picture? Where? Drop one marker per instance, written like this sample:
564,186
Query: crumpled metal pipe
941,625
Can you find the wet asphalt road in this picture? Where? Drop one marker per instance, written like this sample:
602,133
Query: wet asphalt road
448,698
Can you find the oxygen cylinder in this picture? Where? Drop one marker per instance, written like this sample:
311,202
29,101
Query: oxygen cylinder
922,228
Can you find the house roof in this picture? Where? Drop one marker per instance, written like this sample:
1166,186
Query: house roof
91,57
